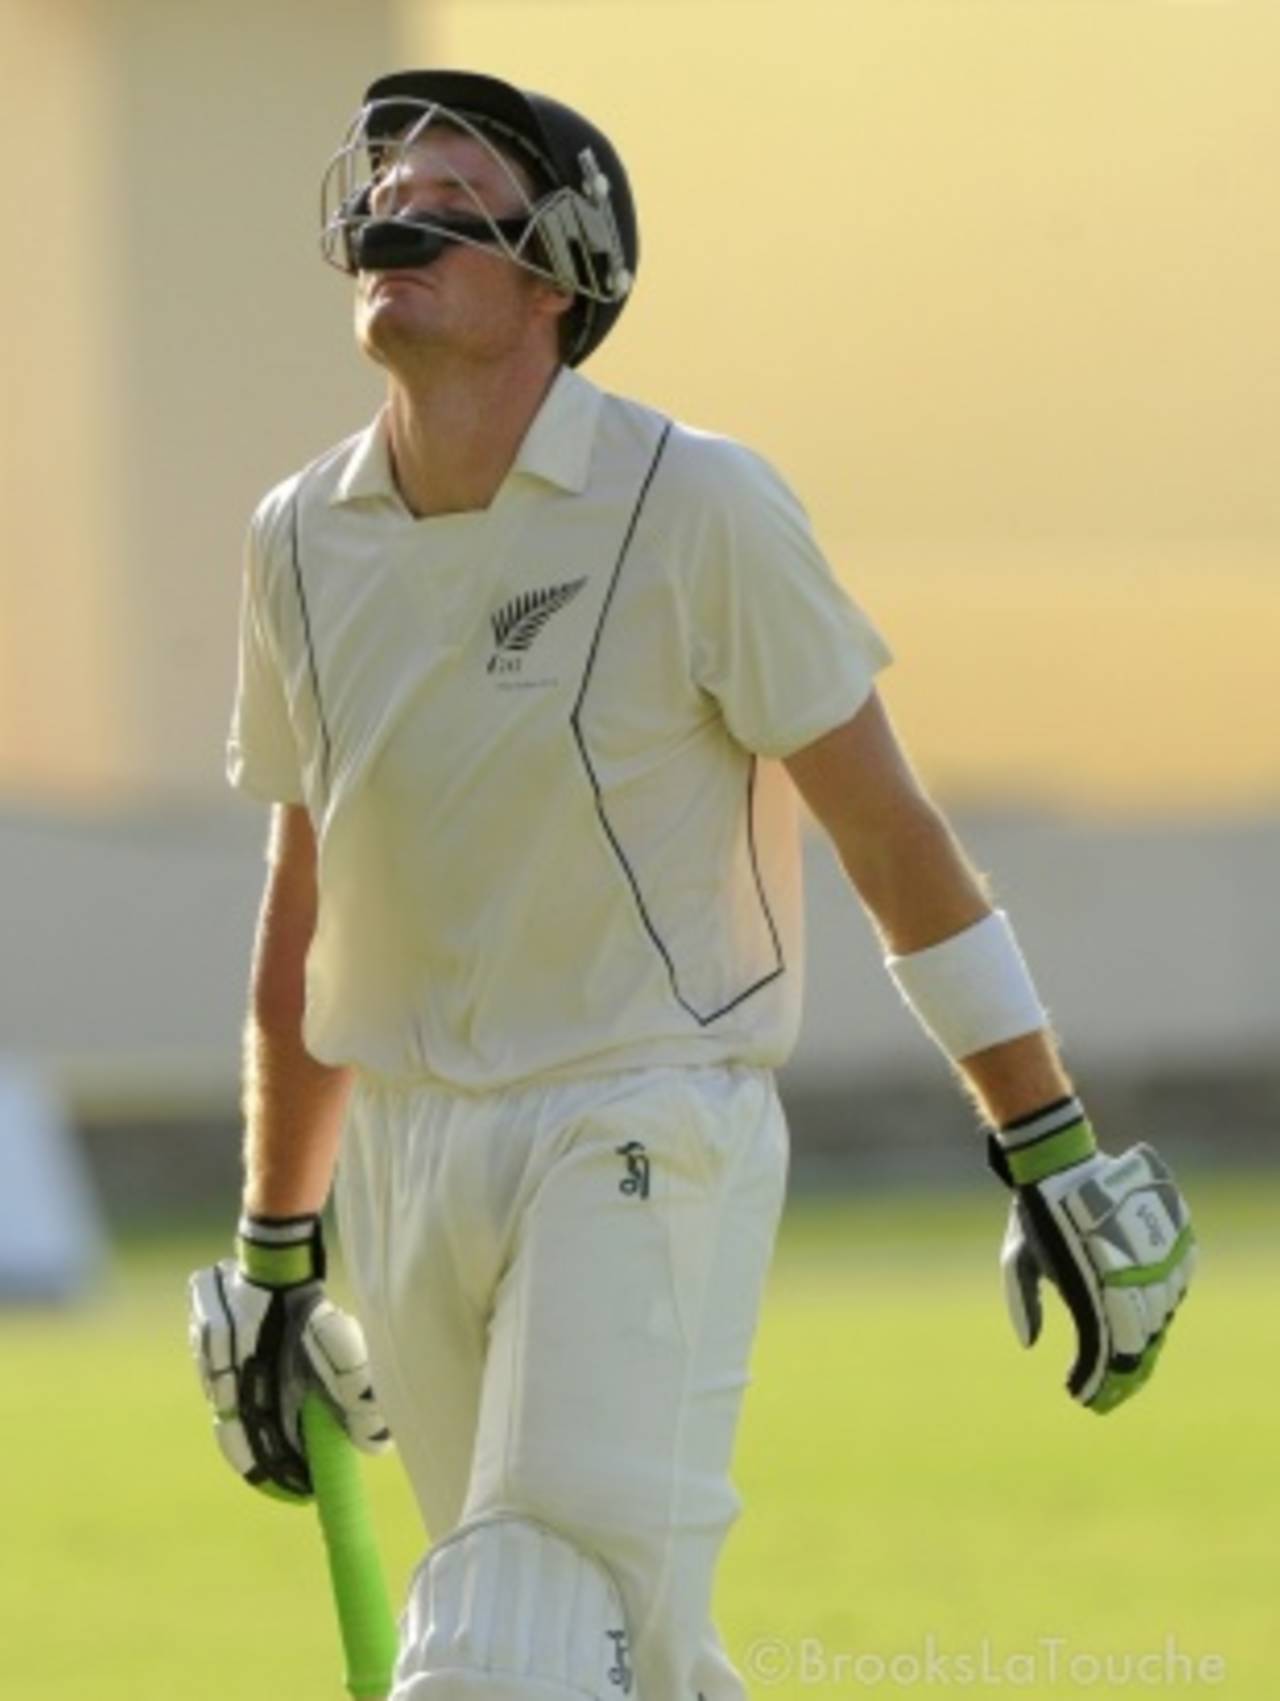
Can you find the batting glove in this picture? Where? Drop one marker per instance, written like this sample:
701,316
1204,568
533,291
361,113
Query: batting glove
1114,1237
264,1335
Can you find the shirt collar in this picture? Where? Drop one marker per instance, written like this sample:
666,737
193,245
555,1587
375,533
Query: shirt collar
368,469
557,447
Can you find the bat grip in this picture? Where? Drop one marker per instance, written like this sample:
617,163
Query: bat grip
365,1618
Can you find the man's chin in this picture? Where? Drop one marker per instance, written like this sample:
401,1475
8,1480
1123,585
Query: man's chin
388,336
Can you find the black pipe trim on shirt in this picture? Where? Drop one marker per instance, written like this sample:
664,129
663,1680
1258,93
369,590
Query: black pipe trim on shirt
702,1018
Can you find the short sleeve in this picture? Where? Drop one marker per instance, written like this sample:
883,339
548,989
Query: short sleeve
262,751
775,638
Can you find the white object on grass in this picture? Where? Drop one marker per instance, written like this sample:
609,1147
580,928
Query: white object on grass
52,1242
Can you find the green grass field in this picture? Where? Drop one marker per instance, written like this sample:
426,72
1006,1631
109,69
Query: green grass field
913,1483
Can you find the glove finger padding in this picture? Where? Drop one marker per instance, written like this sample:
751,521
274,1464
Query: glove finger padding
212,1332
274,1381
1114,1235
238,1335
333,1342
245,1339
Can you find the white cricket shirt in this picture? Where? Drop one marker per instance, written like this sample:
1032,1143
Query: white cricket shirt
535,744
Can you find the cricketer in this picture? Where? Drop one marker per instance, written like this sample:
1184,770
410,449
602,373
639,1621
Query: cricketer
534,680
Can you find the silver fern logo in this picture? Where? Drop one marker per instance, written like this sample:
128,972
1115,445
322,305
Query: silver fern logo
518,622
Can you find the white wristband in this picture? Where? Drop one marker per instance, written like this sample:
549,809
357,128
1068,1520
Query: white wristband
972,990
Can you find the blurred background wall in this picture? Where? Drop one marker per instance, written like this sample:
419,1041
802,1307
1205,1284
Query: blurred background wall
994,283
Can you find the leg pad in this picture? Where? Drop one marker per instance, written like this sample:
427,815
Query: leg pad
508,1610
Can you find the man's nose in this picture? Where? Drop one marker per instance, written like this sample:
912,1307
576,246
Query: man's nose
402,190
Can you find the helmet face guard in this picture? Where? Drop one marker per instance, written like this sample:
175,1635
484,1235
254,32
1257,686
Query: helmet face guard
566,233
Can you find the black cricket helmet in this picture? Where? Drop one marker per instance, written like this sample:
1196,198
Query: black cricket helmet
576,225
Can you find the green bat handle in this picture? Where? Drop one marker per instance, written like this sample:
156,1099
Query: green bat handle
359,1589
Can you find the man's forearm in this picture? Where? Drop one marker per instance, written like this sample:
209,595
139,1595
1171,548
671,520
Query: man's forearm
914,879
932,894
922,889
293,1111
293,1105
1012,1080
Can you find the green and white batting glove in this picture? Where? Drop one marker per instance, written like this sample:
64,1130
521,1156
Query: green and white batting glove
1114,1237
264,1335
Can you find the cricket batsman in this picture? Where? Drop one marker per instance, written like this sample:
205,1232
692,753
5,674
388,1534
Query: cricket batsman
533,678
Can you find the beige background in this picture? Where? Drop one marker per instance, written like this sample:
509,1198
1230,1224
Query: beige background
994,281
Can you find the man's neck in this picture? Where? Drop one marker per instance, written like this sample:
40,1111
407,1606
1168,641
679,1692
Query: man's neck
455,433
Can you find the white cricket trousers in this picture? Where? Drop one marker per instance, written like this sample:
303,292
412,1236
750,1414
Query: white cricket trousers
560,1286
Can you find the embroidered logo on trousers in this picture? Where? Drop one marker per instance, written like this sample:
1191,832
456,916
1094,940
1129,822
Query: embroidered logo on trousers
518,622
619,1672
635,1183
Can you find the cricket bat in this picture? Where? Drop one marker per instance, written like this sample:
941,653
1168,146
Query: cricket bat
365,1618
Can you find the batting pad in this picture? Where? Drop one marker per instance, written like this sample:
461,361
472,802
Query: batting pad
508,1610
